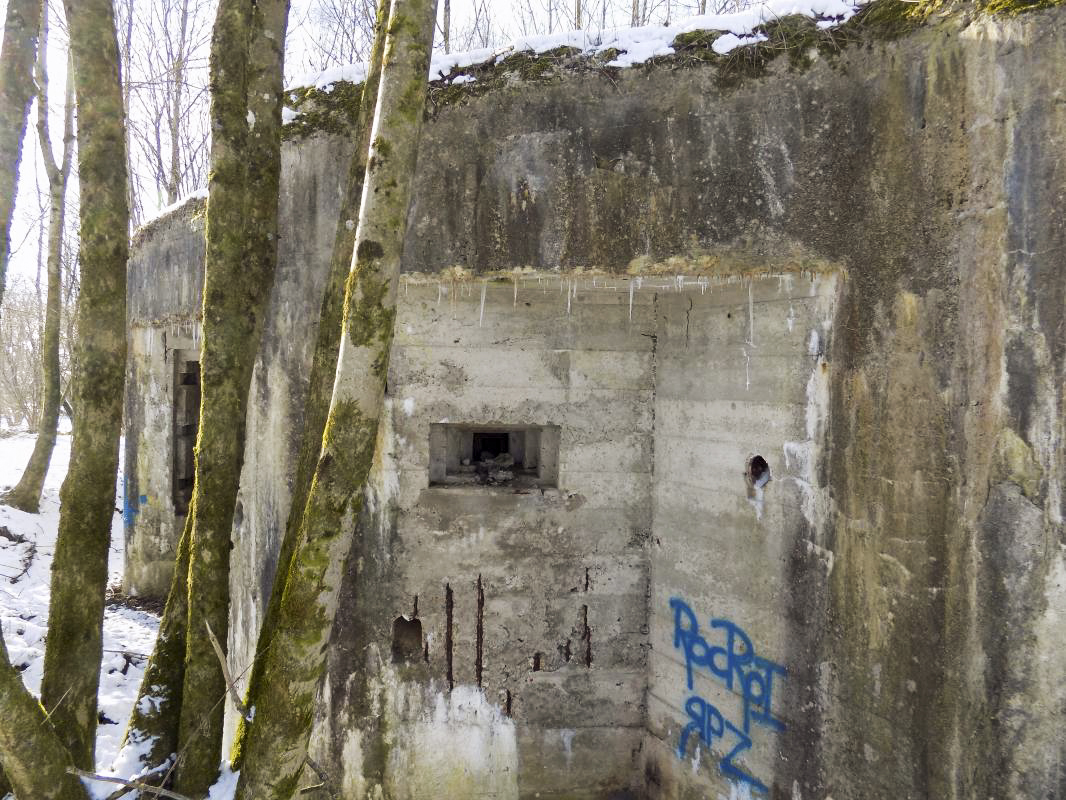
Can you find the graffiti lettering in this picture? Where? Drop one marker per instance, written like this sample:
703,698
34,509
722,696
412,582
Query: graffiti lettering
740,669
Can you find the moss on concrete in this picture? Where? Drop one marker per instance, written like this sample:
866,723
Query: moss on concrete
1014,7
799,37
333,110
1014,463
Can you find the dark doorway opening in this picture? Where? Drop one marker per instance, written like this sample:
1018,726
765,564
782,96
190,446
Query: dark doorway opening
489,444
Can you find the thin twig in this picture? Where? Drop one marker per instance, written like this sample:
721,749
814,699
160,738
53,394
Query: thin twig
152,773
322,776
48,714
121,791
143,787
234,696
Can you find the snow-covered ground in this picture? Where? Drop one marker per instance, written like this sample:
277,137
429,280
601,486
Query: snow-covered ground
25,569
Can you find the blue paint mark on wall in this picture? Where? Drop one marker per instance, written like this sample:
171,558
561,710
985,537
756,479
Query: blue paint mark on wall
735,664
130,509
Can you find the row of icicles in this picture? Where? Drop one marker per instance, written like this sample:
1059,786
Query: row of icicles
569,286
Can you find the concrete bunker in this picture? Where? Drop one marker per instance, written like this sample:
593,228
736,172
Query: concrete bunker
818,266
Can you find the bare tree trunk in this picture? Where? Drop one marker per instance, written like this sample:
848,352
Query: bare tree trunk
16,92
276,745
126,49
577,14
324,362
79,567
635,18
447,26
34,758
174,178
246,96
27,494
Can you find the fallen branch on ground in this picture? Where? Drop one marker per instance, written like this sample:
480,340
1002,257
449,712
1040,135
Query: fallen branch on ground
143,787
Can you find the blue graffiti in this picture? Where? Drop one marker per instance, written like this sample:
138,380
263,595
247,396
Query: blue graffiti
740,669
130,509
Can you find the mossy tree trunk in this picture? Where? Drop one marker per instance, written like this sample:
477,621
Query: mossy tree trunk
153,728
247,51
27,494
21,26
276,743
324,360
87,498
35,760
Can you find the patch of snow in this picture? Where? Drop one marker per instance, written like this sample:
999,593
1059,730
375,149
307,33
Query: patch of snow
25,574
728,42
199,194
226,785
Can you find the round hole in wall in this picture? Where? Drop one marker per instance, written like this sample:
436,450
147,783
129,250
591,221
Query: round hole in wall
758,471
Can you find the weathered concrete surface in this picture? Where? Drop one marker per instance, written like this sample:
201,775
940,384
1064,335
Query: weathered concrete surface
742,371
905,564
164,284
535,598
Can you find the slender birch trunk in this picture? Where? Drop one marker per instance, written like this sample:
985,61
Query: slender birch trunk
27,494
276,744
16,92
35,760
324,361
79,567
247,51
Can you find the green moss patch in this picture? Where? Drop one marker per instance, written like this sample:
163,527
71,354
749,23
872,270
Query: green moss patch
525,67
333,111
1014,7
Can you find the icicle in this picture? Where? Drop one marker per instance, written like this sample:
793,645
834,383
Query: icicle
515,303
406,284
481,315
440,291
680,279
568,301
751,316
632,285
